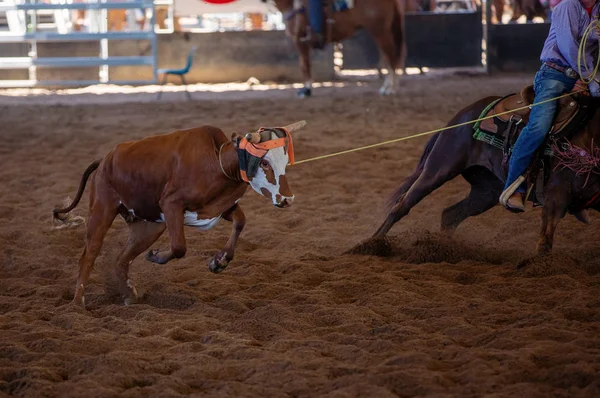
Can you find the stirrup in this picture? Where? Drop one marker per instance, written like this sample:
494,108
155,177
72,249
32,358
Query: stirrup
508,192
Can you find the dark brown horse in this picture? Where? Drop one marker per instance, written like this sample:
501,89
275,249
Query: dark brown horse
454,152
383,19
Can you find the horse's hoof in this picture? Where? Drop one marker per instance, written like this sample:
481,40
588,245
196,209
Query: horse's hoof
79,298
583,216
218,263
304,92
153,257
132,295
387,91
79,301
127,301
543,249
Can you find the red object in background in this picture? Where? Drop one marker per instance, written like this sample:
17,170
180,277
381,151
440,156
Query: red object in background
218,1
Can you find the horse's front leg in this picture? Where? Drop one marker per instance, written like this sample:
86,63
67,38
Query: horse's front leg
305,67
555,208
220,261
385,42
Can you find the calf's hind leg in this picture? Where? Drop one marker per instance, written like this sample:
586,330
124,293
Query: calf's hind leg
485,190
142,234
174,219
103,210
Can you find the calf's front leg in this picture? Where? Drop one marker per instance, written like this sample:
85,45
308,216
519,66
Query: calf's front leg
220,261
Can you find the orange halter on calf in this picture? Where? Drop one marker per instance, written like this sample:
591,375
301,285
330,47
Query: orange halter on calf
260,149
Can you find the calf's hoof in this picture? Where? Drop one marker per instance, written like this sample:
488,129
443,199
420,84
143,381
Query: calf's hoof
218,263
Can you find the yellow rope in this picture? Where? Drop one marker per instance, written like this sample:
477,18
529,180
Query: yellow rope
432,131
581,54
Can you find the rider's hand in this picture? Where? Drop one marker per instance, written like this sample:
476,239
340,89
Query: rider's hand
582,87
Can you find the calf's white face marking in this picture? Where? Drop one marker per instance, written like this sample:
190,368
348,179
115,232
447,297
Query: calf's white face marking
274,161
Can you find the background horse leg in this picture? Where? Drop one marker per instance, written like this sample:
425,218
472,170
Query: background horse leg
485,190
305,67
498,10
385,42
389,36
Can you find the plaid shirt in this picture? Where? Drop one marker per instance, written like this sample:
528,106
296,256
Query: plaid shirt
569,21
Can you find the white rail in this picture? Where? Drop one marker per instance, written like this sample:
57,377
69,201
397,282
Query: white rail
28,13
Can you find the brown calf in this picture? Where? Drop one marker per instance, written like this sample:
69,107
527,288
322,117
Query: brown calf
185,178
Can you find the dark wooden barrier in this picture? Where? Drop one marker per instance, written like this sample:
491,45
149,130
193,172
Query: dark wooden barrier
516,47
433,40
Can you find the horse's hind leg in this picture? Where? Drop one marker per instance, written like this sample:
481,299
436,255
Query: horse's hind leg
485,190
142,234
555,208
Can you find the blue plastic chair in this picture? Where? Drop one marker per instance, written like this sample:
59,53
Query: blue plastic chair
178,72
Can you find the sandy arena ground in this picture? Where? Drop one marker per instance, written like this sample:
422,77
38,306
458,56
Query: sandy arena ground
293,315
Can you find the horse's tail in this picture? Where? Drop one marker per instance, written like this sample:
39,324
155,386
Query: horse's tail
56,213
398,33
408,181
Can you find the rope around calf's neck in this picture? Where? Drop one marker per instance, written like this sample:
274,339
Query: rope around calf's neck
221,163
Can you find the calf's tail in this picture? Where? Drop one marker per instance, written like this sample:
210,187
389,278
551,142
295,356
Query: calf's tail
58,213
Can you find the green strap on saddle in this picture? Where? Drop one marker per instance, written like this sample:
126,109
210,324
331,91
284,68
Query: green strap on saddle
488,138
493,139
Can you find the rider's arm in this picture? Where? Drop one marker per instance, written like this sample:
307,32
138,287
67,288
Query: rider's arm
594,88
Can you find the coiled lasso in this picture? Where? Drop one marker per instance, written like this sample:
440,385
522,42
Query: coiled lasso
581,54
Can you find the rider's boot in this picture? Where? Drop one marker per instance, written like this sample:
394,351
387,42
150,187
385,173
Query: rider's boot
515,203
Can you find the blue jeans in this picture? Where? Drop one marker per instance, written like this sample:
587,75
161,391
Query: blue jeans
548,83
315,15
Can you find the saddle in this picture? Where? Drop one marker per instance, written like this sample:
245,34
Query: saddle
508,110
511,115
